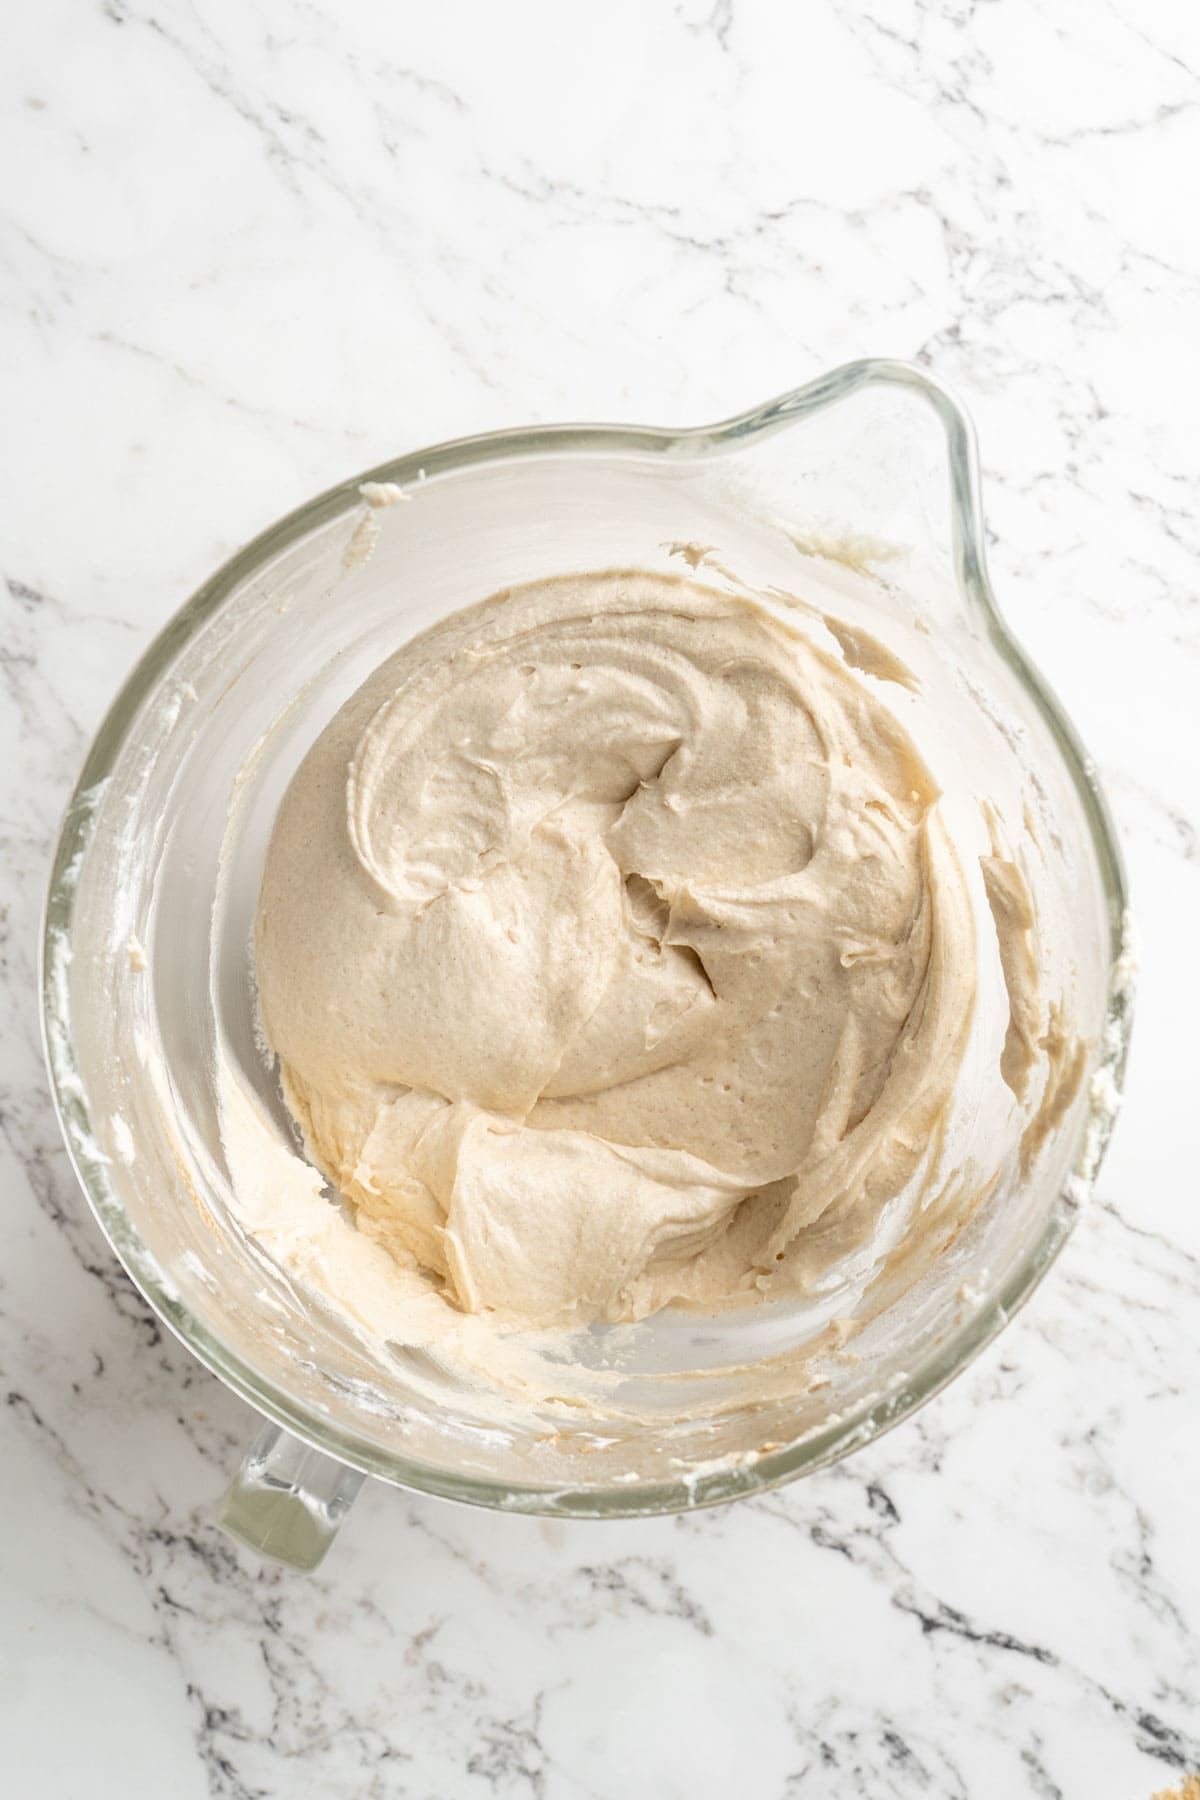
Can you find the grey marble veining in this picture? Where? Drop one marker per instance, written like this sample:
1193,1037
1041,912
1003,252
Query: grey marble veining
246,250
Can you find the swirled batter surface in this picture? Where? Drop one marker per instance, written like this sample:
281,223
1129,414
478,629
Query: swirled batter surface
612,945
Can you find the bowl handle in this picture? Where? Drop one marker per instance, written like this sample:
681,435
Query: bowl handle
287,1501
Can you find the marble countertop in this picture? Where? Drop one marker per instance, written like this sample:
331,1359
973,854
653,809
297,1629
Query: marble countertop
249,250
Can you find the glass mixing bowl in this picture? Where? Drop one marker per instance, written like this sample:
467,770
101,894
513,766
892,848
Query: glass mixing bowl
859,491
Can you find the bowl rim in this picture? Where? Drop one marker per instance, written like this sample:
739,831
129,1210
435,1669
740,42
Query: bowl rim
755,1472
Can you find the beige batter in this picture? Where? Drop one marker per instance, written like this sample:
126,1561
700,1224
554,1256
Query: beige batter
612,946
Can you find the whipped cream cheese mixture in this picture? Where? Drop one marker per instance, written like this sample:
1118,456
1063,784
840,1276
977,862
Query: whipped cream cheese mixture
613,946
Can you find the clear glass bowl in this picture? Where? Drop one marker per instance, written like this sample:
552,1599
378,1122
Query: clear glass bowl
861,489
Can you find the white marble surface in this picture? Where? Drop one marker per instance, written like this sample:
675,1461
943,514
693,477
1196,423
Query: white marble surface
246,249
